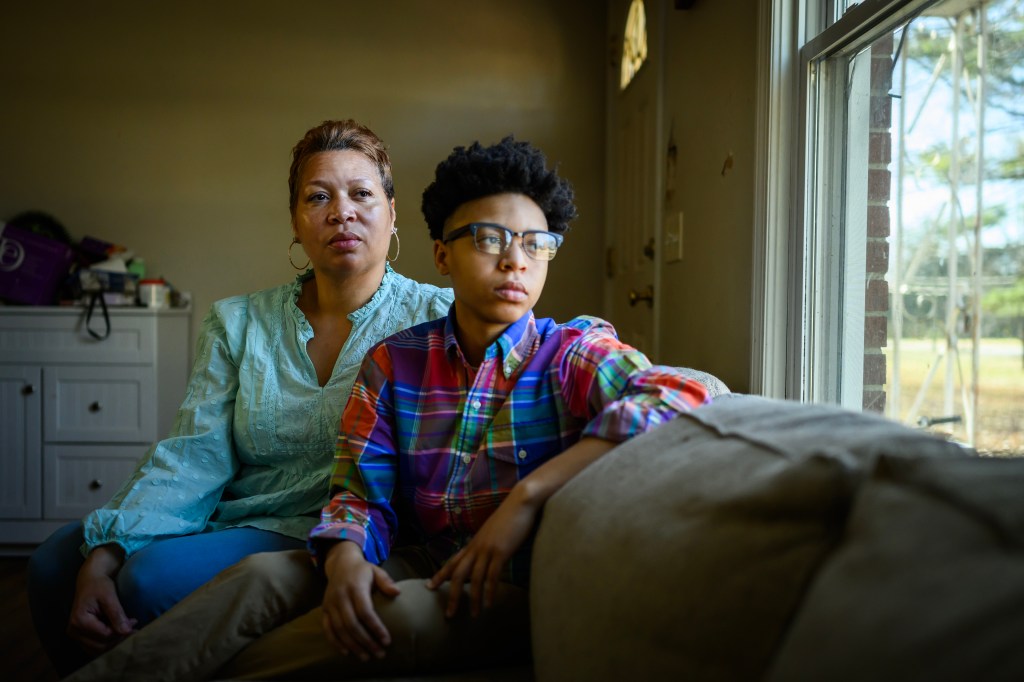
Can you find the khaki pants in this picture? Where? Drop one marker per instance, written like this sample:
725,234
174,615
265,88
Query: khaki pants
261,619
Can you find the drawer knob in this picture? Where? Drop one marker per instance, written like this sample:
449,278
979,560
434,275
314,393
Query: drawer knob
28,389
96,484
95,407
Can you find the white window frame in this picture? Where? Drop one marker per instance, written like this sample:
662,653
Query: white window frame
797,353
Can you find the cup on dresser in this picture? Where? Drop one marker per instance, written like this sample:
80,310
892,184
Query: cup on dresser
154,293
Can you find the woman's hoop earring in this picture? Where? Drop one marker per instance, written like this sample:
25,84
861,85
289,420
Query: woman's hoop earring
398,243
295,240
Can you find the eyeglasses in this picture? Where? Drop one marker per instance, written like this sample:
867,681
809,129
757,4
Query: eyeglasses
495,240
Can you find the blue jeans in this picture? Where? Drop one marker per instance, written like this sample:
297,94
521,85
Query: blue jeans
150,582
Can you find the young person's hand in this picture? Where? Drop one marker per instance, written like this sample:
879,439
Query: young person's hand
350,621
482,560
98,621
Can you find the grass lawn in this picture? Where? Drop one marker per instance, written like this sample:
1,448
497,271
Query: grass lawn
1001,390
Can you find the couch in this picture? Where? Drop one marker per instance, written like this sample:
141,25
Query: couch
766,539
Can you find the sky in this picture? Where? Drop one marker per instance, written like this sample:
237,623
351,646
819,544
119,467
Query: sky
923,193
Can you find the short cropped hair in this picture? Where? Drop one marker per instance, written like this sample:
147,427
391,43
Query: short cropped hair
516,167
335,136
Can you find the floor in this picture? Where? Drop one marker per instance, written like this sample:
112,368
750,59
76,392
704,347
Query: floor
19,649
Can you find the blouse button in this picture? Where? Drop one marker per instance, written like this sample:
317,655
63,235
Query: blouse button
522,454
476,404
456,510
465,459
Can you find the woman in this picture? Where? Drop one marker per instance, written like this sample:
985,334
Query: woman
247,466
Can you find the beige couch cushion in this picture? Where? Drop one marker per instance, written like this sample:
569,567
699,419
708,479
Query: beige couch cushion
686,552
929,583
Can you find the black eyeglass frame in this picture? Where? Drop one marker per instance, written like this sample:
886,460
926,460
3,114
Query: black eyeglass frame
510,236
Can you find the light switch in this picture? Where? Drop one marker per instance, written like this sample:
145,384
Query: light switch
673,238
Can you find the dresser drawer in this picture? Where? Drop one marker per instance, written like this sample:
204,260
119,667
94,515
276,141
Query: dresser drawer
61,337
99,404
79,478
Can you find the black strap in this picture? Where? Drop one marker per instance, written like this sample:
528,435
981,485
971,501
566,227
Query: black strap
93,297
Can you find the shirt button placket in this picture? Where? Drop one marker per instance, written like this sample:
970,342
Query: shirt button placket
466,458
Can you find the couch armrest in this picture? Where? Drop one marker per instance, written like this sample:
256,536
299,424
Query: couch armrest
715,386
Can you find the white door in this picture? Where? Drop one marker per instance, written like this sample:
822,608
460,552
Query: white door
634,180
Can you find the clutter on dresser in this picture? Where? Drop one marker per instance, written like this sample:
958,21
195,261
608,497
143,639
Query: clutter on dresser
41,265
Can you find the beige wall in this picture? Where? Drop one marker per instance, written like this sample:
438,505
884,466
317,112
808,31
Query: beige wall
167,127
710,94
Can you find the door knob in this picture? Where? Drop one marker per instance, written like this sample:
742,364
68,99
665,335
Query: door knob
645,295
649,249
95,407
28,389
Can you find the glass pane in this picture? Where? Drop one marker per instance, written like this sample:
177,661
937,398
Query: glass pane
918,223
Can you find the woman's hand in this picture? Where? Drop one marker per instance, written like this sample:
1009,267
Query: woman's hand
350,621
98,620
482,560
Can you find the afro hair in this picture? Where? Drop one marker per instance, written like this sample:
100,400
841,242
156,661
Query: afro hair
516,167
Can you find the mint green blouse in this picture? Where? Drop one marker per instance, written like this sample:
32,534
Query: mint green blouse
253,441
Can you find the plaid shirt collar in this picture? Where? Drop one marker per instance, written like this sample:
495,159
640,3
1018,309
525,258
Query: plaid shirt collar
512,347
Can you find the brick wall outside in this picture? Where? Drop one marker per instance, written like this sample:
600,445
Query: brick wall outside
876,309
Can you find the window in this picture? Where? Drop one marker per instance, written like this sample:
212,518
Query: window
634,43
906,293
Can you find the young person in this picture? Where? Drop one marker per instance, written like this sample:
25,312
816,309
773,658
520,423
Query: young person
456,433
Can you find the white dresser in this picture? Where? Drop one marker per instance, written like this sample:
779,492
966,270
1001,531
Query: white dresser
77,412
